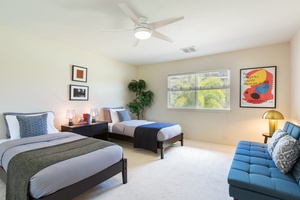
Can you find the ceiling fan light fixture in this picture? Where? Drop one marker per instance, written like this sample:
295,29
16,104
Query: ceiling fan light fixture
142,33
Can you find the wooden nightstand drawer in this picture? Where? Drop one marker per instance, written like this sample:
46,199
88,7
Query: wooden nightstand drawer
97,130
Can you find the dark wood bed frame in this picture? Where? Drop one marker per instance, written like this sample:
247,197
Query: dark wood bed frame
160,144
82,186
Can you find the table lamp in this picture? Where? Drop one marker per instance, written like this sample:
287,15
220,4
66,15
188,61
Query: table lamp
70,115
272,116
94,114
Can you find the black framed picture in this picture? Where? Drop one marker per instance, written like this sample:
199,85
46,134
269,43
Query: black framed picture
79,73
79,93
258,87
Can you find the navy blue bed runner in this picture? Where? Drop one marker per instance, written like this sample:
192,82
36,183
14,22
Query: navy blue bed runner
145,136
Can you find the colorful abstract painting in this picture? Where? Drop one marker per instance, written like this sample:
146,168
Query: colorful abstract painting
258,87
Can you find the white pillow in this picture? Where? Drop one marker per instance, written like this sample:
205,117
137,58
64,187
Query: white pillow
114,115
13,123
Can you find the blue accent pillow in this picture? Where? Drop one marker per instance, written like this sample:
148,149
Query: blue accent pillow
32,125
124,115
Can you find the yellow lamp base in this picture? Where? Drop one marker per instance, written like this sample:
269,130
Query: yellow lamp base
273,126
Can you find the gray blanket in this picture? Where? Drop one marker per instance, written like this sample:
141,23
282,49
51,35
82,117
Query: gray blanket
24,165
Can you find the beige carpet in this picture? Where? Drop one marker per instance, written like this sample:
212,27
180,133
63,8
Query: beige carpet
195,171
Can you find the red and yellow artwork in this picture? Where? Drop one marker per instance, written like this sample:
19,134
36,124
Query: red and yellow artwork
258,87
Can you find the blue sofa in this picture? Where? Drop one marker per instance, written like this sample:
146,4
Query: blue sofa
254,176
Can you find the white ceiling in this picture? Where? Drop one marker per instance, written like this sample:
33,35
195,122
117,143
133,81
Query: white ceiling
212,26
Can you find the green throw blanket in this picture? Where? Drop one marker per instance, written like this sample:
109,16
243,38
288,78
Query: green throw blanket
24,165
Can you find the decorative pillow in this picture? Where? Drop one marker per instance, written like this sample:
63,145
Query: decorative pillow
106,111
32,125
114,115
274,139
12,124
286,153
124,115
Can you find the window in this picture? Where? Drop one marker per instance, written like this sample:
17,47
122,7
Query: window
203,90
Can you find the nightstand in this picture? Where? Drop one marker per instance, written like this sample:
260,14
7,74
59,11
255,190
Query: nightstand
97,130
266,135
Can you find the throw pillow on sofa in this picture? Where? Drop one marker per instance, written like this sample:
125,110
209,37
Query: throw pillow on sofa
286,153
274,140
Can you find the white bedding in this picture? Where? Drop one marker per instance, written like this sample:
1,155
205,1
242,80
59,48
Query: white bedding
127,128
67,172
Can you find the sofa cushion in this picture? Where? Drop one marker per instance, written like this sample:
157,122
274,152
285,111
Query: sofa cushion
274,139
292,129
253,170
296,171
286,153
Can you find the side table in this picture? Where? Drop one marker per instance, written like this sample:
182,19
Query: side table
266,135
97,130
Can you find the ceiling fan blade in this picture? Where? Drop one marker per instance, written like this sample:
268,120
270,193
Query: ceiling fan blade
129,13
136,42
161,36
158,24
115,30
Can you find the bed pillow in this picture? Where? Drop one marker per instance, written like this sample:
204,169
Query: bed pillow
12,124
274,140
286,153
123,115
32,125
114,115
106,111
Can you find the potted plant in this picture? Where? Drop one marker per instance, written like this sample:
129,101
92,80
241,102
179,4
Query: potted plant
142,99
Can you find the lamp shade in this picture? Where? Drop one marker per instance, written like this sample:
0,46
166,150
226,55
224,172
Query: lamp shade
94,112
272,114
70,114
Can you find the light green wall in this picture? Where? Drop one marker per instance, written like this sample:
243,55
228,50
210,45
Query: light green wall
226,127
36,74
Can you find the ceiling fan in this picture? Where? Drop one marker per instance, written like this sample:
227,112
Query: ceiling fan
143,30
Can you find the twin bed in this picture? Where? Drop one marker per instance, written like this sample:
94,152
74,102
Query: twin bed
53,164
142,133
39,162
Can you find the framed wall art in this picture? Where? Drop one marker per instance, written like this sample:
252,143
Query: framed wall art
79,93
79,73
258,87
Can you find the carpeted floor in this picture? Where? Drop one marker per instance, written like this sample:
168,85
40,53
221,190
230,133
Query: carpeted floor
195,171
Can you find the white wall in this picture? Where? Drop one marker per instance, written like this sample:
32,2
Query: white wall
36,74
295,80
226,127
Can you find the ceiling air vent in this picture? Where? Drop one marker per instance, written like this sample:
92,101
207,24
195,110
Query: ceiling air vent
189,49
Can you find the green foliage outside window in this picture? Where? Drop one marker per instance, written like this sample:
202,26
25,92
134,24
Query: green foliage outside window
206,90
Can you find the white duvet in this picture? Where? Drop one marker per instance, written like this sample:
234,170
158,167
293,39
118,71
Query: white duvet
127,128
